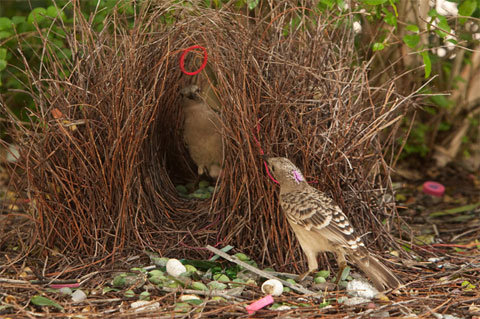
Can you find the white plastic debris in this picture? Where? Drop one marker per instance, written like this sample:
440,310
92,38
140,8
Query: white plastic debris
441,52
272,287
357,27
175,268
78,296
362,289
143,305
446,8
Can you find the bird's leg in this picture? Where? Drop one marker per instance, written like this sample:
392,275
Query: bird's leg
342,263
312,264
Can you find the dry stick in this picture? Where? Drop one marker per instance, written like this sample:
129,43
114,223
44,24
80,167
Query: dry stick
212,293
262,273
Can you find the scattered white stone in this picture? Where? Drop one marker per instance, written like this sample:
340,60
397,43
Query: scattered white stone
65,290
78,296
380,314
476,36
175,268
357,27
435,259
362,289
441,316
143,305
13,154
283,307
272,287
189,297
353,301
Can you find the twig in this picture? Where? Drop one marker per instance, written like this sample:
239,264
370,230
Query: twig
212,293
259,272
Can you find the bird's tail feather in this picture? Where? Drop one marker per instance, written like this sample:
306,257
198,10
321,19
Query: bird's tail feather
378,273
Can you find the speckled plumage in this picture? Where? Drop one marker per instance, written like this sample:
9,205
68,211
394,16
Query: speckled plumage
202,132
321,226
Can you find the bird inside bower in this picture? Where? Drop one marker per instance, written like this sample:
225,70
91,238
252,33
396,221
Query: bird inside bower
202,132
321,226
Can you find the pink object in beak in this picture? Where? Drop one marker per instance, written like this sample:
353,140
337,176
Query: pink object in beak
433,188
259,304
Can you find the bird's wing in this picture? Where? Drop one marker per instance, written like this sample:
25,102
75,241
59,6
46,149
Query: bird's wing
316,212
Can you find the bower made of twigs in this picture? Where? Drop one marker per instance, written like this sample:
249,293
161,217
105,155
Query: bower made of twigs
105,152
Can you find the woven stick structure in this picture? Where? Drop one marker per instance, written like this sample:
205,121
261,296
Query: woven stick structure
105,151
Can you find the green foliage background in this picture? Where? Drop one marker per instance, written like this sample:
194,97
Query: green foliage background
22,21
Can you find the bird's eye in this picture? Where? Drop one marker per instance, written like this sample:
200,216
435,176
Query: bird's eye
272,168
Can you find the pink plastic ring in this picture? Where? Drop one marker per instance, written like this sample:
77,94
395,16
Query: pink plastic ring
433,188
182,60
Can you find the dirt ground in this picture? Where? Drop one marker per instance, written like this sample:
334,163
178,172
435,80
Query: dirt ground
442,277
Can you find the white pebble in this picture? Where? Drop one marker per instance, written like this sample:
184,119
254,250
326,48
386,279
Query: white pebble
175,268
189,297
362,289
143,305
78,296
283,307
272,287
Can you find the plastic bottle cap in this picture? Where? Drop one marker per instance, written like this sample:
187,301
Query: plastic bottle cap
433,188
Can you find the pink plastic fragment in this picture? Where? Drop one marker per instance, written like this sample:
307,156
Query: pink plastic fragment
259,304
433,188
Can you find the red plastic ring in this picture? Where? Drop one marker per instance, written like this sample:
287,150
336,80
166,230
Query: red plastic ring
433,188
182,59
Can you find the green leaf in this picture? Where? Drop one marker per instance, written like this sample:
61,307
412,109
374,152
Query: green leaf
5,34
328,3
5,23
323,273
216,285
427,62
413,28
389,18
441,100
443,27
374,2
221,277
3,65
378,46
144,295
18,19
224,249
457,210
56,13
42,301
3,54
252,4
411,40
198,286
466,9
37,15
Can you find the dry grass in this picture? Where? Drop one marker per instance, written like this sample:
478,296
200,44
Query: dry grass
104,153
